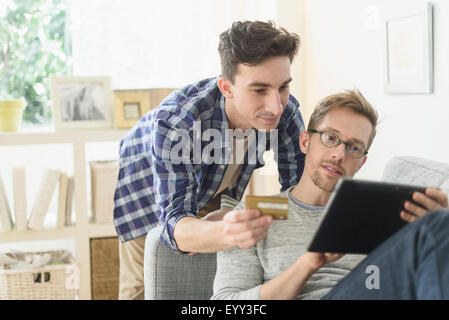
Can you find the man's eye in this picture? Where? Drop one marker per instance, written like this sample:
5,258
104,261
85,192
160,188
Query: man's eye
355,148
283,88
330,137
260,91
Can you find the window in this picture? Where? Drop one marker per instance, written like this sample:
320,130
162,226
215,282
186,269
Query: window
34,44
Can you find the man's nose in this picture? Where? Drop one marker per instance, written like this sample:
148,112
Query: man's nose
339,152
274,104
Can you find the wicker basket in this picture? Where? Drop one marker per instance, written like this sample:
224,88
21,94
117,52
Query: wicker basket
104,268
52,282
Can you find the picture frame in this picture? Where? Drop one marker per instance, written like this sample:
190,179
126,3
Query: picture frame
409,49
81,102
132,104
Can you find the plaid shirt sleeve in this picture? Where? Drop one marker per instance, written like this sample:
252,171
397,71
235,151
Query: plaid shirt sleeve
289,156
174,183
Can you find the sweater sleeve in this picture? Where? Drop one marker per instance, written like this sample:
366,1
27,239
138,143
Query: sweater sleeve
239,275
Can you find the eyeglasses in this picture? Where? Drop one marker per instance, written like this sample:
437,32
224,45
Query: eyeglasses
331,140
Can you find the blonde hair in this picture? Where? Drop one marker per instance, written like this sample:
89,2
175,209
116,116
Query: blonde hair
351,99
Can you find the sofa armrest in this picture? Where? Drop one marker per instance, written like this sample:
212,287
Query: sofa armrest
171,275
417,171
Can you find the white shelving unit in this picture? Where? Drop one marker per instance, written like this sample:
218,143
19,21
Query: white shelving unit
82,231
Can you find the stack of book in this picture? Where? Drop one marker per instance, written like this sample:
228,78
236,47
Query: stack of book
49,183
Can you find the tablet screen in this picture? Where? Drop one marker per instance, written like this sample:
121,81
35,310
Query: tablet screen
360,215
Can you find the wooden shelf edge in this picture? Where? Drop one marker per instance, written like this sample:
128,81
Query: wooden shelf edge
28,138
101,230
34,235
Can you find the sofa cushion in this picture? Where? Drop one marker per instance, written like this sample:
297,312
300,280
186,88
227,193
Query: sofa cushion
417,171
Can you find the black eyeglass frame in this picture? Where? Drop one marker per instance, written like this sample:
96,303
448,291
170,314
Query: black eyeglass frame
347,144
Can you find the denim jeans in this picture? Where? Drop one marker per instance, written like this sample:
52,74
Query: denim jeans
411,264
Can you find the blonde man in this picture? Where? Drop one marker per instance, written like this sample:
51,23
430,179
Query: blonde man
413,263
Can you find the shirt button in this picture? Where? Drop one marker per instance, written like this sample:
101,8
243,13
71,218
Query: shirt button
222,167
211,192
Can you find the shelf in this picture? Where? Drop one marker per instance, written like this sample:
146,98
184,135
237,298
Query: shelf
102,231
53,137
83,231
94,231
35,235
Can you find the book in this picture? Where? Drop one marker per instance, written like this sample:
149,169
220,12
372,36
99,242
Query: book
6,223
69,202
43,198
20,197
62,201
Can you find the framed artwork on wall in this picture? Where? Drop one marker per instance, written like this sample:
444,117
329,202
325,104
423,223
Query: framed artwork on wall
409,49
81,102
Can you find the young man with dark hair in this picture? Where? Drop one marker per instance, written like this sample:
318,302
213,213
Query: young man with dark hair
157,185
413,263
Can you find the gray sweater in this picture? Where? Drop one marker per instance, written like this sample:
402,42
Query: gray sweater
241,272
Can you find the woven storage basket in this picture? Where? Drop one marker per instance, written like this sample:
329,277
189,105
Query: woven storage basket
53,282
104,268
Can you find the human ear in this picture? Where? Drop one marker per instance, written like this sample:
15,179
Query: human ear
225,86
304,140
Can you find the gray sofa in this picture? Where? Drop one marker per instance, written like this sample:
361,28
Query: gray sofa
170,275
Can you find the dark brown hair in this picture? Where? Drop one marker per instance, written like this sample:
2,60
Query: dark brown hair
351,99
251,42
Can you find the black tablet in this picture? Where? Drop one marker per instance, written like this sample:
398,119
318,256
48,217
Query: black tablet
360,215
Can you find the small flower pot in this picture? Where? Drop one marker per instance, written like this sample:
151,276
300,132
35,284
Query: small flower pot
10,114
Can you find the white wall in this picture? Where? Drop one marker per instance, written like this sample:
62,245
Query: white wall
152,44
290,15
344,49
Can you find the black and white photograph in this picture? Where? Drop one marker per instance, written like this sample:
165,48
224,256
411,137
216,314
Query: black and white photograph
81,102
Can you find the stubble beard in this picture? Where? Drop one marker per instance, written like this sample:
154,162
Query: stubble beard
320,181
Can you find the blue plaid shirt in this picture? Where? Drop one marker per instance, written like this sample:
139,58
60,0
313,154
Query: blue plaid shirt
153,190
